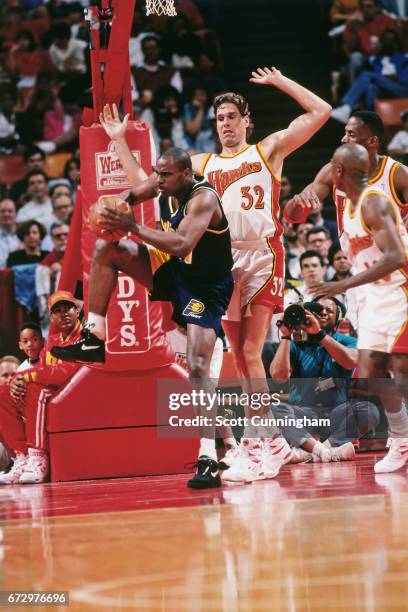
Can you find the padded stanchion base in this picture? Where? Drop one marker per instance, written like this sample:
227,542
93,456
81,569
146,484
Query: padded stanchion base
115,453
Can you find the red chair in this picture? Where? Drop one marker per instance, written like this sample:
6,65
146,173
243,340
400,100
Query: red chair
12,168
390,112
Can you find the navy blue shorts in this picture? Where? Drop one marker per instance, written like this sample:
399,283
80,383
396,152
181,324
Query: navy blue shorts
197,300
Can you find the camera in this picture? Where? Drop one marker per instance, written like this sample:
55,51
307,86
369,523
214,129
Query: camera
295,314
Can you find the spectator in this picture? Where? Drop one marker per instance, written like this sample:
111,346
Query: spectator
25,60
293,249
9,136
198,122
397,8
67,54
9,240
344,10
30,233
183,46
362,34
207,77
34,159
341,265
31,121
165,117
153,74
62,207
398,146
75,18
319,221
26,439
39,205
301,233
31,343
59,187
72,172
388,75
8,367
61,125
48,272
318,239
320,369
313,270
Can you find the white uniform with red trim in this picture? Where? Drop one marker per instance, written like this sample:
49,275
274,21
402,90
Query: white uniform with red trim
383,304
250,197
383,181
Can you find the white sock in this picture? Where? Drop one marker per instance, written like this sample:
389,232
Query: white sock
207,447
230,443
98,323
398,422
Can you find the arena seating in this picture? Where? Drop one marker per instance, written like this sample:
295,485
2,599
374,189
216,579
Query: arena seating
390,112
104,424
12,168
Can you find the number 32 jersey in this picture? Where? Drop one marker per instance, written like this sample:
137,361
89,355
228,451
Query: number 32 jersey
249,192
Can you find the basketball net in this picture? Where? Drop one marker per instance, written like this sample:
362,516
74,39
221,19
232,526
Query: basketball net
160,7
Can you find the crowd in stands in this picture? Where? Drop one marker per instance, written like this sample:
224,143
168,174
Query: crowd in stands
370,60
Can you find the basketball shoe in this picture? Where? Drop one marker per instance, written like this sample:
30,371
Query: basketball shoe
229,458
36,468
13,475
344,452
275,453
299,455
247,464
88,349
206,476
396,457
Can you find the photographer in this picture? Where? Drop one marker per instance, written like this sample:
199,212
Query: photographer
320,366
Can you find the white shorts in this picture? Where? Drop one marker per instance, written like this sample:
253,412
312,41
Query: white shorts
382,319
258,274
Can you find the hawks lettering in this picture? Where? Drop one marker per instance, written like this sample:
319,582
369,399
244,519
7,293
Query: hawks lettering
222,180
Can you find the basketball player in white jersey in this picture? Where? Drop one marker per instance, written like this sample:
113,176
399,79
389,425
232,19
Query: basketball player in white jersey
247,178
365,128
376,241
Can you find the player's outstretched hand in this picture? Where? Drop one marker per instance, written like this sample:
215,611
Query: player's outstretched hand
329,289
266,76
110,121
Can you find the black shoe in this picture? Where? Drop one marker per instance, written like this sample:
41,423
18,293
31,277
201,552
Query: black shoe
206,476
89,349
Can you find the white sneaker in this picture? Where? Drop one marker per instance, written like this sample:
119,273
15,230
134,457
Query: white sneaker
345,452
275,453
342,113
13,475
247,465
229,458
321,453
36,468
300,455
396,457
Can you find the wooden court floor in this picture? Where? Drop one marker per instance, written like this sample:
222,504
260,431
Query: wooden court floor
319,537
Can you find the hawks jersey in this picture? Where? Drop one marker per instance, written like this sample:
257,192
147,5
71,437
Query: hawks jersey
362,249
383,181
249,192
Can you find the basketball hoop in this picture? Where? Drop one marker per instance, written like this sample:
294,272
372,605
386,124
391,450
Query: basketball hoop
160,7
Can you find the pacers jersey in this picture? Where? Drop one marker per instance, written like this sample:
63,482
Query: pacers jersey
249,193
362,250
211,257
383,181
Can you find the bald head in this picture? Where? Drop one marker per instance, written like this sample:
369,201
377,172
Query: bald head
350,165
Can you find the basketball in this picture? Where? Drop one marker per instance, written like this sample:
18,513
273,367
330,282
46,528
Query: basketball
96,220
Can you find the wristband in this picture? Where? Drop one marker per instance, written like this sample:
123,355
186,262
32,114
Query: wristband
286,338
317,337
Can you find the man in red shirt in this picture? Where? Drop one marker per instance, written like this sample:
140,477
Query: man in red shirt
23,411
361,36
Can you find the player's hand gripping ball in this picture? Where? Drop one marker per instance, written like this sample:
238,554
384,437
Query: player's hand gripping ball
98,224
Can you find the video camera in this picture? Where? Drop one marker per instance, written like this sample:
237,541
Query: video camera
295,314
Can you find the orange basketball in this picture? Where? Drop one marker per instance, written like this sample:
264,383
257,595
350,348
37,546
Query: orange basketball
96,221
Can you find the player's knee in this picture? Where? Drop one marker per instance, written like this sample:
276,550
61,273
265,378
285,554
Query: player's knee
104,249
198,366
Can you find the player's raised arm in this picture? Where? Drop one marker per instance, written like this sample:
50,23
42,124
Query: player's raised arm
310,199
116,130
280,144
